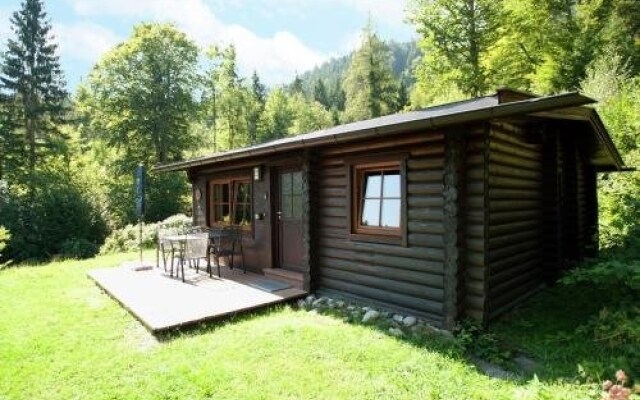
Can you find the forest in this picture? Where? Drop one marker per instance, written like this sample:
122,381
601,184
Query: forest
67,159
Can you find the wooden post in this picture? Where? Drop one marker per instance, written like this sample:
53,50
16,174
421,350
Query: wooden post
307,216
453,236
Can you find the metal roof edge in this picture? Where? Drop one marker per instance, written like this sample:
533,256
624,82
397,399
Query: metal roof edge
605,139
571,99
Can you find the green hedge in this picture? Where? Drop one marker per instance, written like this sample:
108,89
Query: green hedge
48,216
127,238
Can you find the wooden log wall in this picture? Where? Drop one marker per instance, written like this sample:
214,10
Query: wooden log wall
475,226
516,210
552,230
400,277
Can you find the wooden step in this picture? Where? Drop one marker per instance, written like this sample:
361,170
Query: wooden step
297,279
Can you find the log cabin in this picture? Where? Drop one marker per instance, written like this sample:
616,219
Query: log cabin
459,210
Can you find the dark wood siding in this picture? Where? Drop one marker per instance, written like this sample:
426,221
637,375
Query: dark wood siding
515,207
475,224
403,277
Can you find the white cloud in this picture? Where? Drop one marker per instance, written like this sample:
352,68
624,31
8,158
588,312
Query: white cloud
390,12
277,57
84,41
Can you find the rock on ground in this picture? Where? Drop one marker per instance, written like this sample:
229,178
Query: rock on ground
370,315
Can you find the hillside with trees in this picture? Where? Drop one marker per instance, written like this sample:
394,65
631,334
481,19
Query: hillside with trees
66,159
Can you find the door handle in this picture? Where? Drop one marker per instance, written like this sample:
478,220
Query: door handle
279,214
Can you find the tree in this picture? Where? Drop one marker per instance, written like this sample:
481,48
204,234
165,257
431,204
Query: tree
369,85
320,94
256,106
277,117
33,81
234,101
297,87
402,100
308,115
11,143
609,80
456,36
139,97
139,104
338,97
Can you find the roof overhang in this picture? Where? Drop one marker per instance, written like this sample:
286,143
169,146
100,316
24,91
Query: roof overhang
438,117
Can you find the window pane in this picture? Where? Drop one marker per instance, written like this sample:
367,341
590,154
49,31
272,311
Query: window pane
372,184
225,193
243,192
297,183
286,183
370,213
296,210
285,206
391,187
390,214
222,213
242,214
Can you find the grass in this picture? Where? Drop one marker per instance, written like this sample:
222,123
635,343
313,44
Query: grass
62,338
555,327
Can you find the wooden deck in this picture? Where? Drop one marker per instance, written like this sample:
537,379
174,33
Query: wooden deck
161,302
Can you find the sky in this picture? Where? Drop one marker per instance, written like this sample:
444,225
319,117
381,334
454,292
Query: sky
278,38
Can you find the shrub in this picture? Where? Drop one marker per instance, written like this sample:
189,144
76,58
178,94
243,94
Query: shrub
51,213
127,238
4,238
166,194
78,248
474,340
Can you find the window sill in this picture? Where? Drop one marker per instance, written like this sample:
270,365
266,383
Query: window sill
380,239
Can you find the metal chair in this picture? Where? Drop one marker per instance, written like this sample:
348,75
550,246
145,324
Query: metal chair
195,246
226,242
166,247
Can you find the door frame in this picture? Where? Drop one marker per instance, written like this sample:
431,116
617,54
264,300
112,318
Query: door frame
276,249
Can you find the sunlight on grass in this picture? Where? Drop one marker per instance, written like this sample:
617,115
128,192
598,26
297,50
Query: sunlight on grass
62,338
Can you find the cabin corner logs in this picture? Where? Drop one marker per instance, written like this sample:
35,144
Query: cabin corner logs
492,212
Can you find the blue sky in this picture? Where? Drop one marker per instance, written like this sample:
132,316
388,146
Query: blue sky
276,37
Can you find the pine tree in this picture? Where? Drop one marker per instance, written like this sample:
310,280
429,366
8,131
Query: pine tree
255,106
258,89
402,100
32,80
456,36
232,101
11,143
297,87
338,97
369,85
320,94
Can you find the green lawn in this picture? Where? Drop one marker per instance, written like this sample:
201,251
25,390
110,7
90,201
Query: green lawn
62,338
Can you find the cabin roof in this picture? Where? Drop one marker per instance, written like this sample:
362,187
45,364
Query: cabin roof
503,104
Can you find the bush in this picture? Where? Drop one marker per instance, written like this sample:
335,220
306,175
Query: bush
4,238
52,213
78,248
127,238
166,194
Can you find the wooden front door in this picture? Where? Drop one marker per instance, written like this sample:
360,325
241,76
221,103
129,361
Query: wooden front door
289,220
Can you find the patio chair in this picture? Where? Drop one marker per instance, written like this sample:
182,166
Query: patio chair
166,247
195,247
226,242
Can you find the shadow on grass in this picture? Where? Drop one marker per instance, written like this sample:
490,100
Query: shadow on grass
556,327
212,325
549,328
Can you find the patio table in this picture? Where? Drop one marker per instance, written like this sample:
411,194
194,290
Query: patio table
180,243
